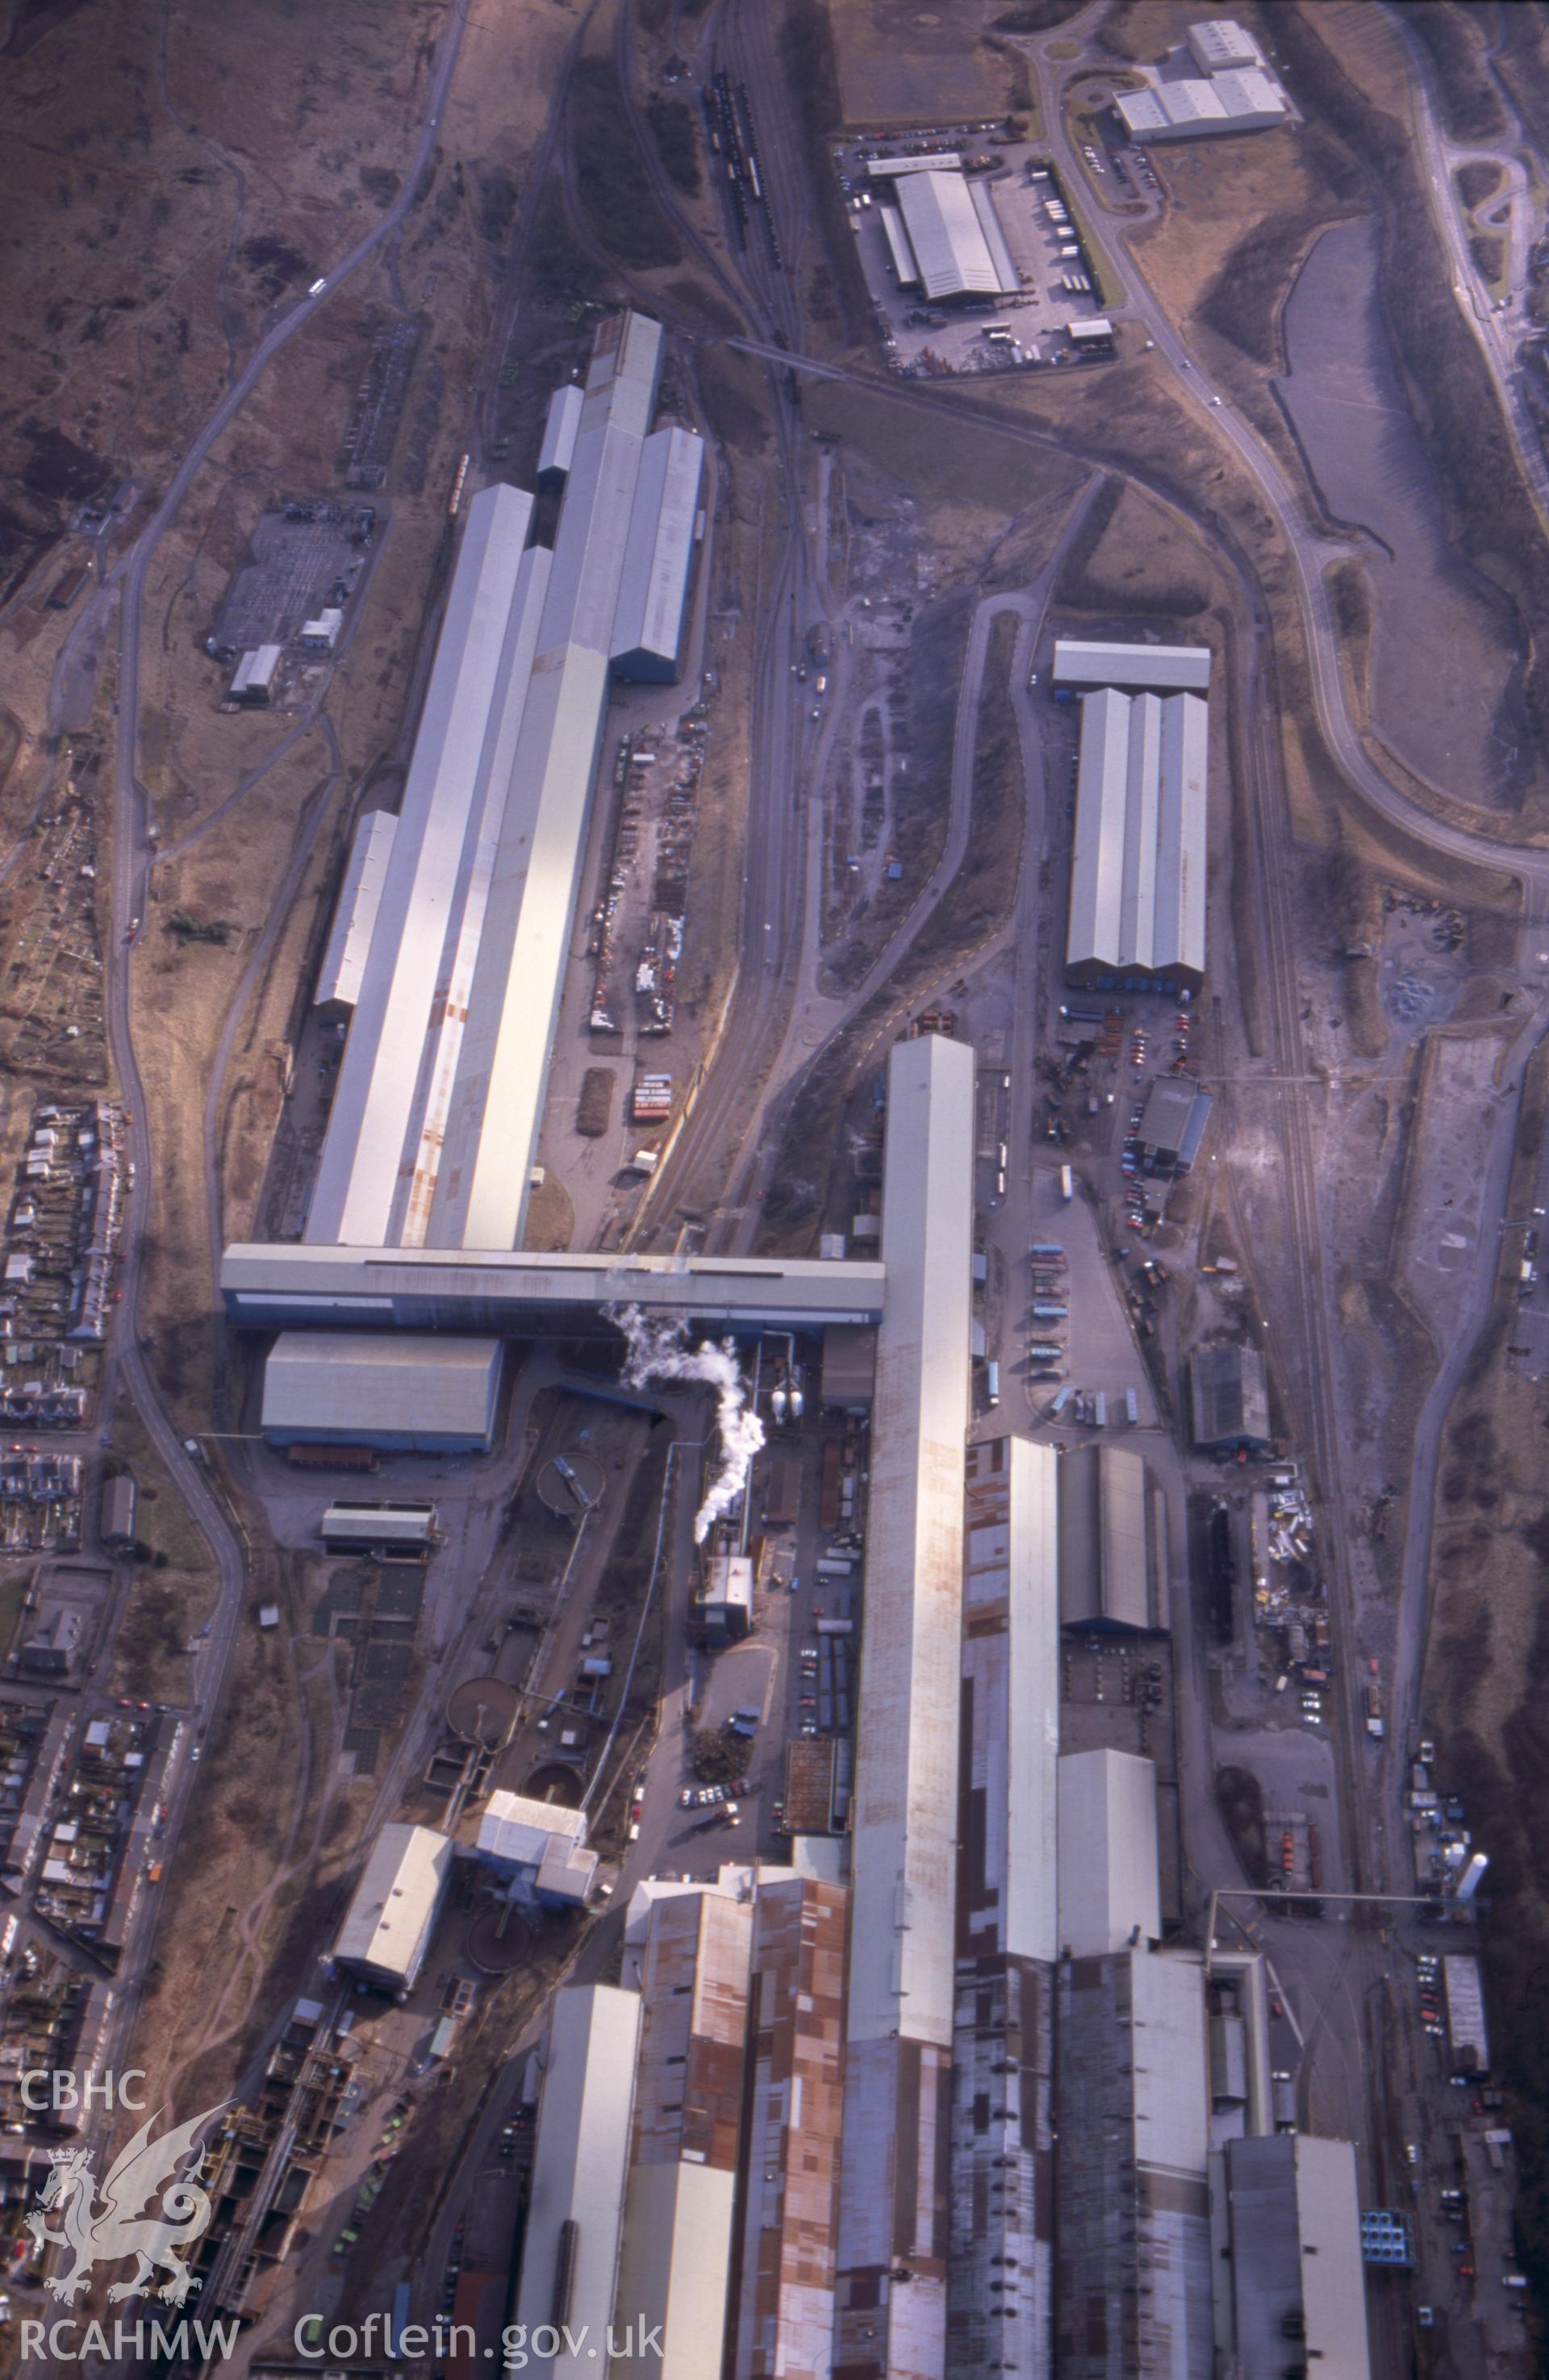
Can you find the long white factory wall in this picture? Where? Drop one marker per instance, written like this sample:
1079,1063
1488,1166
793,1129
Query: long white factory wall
579,2165
354,919
497,1101
1033,1599
1109,1861
352,1197
904,1837
438,1065
440,1095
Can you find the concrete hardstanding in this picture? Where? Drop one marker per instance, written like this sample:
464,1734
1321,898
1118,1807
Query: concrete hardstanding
570,2242
899,1996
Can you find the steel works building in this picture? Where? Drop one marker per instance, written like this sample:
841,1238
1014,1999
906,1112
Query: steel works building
1138,867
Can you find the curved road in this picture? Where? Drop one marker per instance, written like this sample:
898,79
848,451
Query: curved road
125,1360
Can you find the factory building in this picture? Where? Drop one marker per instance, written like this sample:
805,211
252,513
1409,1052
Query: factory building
538,1850
1134,2259
1138,869
1134,669
952,237
253,682
784,2309
354,918
1218,45
1230,1400
1231,93
900,1995
657,559
575,2217
1172,1125
561,424
387,1926
411,1394
1113,1541
439,1094
526,1295
1291,2283
1001,2245
402,1529
676,2255
1109,1876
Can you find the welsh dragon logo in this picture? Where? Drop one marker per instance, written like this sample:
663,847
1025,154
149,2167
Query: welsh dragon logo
103,2230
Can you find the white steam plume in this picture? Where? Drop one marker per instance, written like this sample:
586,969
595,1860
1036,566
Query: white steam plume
660,1351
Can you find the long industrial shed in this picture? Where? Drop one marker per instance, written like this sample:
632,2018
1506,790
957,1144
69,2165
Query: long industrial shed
440,1091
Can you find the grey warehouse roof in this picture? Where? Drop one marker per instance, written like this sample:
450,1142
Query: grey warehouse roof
323,1385
1112,1540
1230,1397
956,241
1109,1867
1138,871
659,554
1156,669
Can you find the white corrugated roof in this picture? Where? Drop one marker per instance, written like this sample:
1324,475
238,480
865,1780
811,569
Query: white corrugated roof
1164,669
882,169
904,1823
1109,1876
368,1121
1142,112
659,553
1190,103
1220,42
1138,868
947,237
349,1385
579,2165
517,1830
344,962
441,1091
905,263
560,423
388,1924
1248,92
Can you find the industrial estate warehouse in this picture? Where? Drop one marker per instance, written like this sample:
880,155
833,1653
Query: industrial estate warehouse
1138,873
952,239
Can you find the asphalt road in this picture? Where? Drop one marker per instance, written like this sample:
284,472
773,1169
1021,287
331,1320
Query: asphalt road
126,1363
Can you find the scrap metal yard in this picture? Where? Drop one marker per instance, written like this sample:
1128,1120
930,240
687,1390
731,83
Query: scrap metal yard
773,1108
